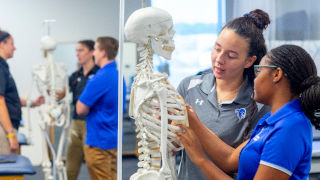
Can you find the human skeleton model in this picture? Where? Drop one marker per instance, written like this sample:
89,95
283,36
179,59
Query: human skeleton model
154,103
51,77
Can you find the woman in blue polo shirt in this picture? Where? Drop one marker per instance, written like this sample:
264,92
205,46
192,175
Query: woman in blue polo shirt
280,146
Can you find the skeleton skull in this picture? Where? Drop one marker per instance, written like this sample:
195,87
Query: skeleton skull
155,24
48,43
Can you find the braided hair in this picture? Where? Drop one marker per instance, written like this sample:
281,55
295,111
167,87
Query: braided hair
251,27
300,69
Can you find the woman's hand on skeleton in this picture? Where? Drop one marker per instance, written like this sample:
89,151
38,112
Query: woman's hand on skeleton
191,144
189,139
192,117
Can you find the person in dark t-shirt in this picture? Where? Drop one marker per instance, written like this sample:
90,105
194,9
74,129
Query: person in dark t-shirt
10,102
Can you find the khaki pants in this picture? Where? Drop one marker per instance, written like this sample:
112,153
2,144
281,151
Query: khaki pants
4,142
75,155
102,164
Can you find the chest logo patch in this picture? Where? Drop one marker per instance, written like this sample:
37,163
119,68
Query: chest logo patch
199,101
241,113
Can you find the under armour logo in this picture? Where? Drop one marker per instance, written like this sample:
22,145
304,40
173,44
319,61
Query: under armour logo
198,101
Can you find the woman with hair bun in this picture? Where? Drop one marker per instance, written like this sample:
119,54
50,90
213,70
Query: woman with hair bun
223,98
280,146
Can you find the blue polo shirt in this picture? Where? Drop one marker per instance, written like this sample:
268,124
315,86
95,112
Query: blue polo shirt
77,82
228,120
282,141
101,96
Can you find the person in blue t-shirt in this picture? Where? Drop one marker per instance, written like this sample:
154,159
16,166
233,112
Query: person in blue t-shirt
99,101
280,146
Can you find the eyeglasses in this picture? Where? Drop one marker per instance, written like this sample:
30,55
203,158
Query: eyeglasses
257,70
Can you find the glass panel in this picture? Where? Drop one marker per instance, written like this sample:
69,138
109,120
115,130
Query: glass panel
196,31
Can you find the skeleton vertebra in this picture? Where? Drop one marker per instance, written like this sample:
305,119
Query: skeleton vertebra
154,103
51,77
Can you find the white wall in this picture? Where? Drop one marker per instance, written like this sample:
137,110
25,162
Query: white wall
75,20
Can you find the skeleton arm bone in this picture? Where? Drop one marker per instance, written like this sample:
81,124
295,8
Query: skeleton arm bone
165,169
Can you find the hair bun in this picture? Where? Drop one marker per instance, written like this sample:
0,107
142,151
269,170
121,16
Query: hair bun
307,83
260,18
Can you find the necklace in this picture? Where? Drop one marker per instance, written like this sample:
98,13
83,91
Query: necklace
227,96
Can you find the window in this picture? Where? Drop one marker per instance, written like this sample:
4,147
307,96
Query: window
197,24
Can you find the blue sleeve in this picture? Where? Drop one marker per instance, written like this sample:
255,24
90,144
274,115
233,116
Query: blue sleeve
284,149
94,89
3,82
